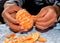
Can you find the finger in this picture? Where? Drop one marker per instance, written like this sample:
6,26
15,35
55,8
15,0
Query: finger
17,8
11,19
52,21
48,16
42,27
13,15
13,27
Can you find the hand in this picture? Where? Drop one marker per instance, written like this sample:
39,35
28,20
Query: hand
46,18
11,10
8,15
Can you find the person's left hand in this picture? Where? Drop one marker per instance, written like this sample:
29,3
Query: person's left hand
46,18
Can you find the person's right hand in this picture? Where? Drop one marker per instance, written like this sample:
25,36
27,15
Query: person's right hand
9,14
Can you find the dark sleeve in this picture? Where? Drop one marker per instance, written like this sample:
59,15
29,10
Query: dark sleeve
1,9
53,2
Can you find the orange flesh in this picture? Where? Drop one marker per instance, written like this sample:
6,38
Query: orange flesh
25,19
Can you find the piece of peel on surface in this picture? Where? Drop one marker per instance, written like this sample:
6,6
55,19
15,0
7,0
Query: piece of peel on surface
35,36
42,39
32,38
6,40
25,19
10,36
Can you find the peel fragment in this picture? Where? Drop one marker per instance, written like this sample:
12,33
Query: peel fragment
32,38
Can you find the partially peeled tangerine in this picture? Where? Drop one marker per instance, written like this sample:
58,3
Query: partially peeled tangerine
25,19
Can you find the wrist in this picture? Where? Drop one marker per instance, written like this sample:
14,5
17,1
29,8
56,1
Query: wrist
8,5
57,9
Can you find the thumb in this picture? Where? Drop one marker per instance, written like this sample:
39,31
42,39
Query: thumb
42,13
10,18
16,8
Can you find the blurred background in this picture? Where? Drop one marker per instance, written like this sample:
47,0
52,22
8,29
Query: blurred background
1,9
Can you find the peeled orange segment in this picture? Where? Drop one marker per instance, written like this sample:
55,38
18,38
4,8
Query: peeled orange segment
25,19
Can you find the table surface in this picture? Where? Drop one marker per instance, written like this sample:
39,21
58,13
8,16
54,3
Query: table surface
52,36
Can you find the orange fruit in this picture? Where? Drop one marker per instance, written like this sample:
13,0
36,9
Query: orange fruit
25,19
